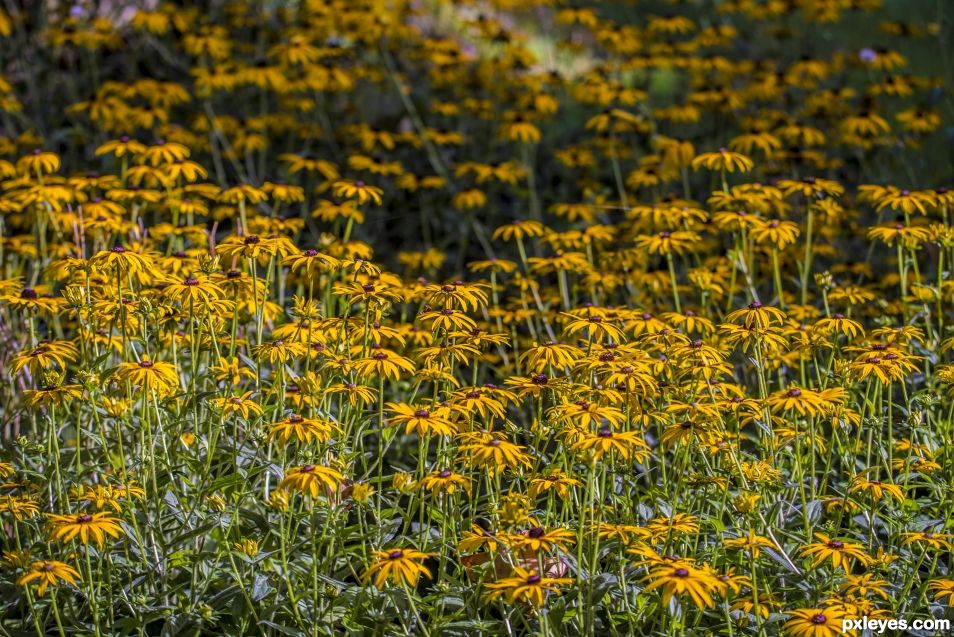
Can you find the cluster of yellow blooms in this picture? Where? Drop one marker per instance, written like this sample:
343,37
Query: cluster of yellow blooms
336,315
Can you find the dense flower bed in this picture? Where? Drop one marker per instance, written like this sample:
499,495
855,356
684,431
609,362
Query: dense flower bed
475,318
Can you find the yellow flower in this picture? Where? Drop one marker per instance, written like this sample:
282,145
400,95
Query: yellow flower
21,508
123,261
937,541
401,566
491,452
310,479
423,421
525,586
554,482
943,590
814,622
626,444
302,429
668,242
241,405
681,578
357,190
723,160
751,542
537,539
776,233
383,363
519,229
85,526
149,375
49,573
38,163
445,481
840,552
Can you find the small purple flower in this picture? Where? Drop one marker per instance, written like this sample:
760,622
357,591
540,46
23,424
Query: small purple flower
867,55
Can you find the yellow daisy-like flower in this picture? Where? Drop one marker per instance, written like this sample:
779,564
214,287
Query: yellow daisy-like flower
814,622
840,552
302,429
679,578
85,527
401,566
310,479
723,160
357,190
49,573
149,375
525,586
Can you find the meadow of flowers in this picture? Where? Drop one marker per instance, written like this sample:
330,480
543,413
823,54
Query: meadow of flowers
480,317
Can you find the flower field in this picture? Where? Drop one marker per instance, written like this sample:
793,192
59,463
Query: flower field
482,317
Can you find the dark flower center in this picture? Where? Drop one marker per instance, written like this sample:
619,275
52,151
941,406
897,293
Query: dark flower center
533,579
536,532
444,473
146,364
396,555
84,518
681,572
28,293
836,544
819,619
422,413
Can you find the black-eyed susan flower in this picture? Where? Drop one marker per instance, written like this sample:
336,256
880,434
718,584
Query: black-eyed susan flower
625,444
681,578
85,527
814,622
841,552
525,586
493,453
302,429
312,480
402,566
425,421
445,481
149,375
242,405
48,573
723,160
